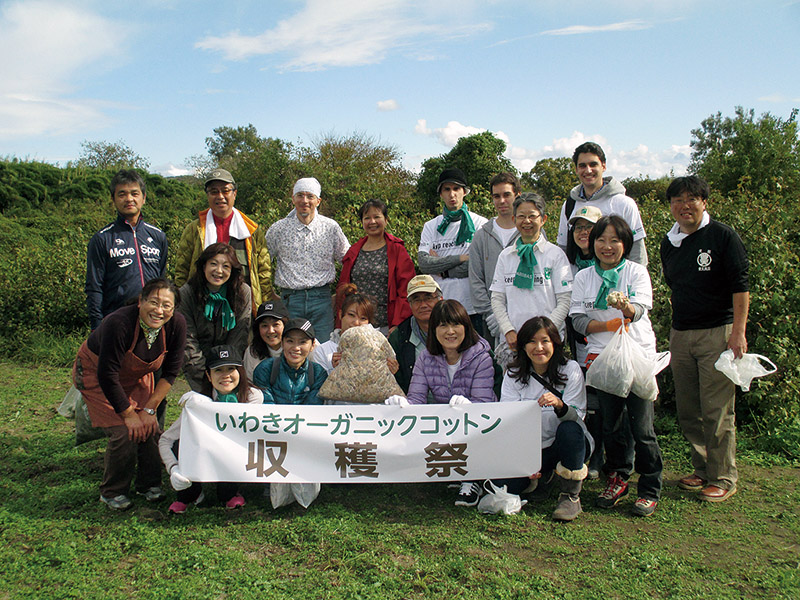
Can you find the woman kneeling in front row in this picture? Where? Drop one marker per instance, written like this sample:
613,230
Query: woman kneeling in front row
541,373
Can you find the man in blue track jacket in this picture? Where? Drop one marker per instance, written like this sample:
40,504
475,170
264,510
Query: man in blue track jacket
125,254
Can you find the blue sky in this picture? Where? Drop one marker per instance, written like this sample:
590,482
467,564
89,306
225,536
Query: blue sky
634,75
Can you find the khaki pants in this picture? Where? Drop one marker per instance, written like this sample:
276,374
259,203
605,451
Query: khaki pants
705,399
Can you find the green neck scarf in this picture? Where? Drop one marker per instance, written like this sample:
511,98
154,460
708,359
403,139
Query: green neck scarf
227,397
150,333
583,263
467,228
527,261
610,279
218,299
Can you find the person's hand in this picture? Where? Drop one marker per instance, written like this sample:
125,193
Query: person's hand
433,253
618,301
511,340
550,399
738,343
393,365
151,424
140,425
396,401
336,358
464,257
457,400
613,325
178,480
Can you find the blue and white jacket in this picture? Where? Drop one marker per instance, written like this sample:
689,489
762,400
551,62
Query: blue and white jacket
119,260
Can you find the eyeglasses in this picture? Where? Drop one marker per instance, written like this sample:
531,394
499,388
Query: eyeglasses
692,201
167,307
423,298
581,228
524,218
224,191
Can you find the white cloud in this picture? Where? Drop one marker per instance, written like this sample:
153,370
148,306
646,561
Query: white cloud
341,33
172,170
621,164
387,105
634,25
46,47
777,98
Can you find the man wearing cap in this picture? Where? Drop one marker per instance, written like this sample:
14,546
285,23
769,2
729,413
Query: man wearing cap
125,254
606,193
221,222
444,244
489,241
706,267
410,337
306,247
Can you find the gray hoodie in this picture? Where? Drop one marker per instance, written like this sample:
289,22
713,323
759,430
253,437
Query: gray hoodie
611,200
483,252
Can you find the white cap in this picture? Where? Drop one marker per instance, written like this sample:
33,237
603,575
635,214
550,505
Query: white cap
307,184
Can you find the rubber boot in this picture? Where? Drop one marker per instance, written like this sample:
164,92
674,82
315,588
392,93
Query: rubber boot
569,500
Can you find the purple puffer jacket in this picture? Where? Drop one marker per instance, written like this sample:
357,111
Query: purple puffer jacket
474,378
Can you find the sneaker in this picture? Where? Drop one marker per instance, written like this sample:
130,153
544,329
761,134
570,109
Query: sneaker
644,507
121,502
469,494
236,502
178,507
153,494
616,489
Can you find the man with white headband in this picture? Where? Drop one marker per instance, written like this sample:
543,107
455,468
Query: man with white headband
221,222
306,247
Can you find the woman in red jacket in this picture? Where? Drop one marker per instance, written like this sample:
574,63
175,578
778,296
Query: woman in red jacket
380,266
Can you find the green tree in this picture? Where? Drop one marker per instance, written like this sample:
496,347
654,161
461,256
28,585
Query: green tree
480,156
553,178
110,155
758,155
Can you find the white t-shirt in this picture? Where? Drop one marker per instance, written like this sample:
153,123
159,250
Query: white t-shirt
634,282
551,275
445,245
505,235
574,395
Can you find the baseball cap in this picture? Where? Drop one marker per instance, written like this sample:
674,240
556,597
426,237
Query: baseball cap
590,213
272,308
453,175
219,175
223,356
423,283
303,325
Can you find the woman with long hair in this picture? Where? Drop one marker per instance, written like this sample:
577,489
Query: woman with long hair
268,325
217,306
541,373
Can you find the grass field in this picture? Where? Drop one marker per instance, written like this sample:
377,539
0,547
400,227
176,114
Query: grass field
371,541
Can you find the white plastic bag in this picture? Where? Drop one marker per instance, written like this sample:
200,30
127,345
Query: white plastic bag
612,370
67,407
282,494
742,371
644,374
498,500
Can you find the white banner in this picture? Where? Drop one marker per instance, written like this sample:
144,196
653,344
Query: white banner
359,444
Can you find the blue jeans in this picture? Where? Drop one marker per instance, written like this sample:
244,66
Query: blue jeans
647,454
569,448
314,304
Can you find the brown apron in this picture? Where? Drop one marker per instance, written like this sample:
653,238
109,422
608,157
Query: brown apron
135,376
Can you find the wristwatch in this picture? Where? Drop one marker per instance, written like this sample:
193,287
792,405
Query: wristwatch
149,411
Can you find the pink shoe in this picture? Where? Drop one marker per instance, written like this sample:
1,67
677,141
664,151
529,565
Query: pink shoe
236,502
178,507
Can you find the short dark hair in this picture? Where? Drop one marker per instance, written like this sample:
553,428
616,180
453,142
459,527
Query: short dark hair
160,283
127,176
691,184
588,148
622,228
450,312
373,203
531,198
505,177
522,367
